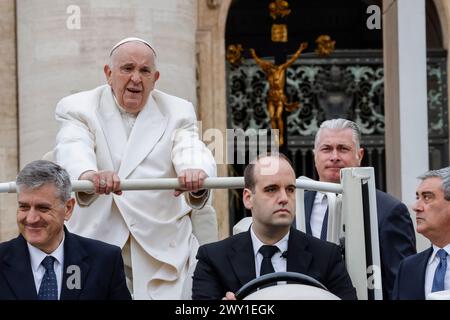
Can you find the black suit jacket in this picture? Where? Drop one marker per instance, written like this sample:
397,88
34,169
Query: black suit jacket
100,265
229,264
410,281
396,235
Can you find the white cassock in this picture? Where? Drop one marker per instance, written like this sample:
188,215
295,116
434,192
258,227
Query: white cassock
163,142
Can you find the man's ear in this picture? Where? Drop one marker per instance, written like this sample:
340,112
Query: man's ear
68,207
107,71
360,155
247,198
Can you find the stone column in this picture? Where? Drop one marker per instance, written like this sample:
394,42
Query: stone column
8,116
63,46
212,92
405,98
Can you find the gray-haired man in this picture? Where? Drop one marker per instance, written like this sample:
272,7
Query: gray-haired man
46,262
429,271
337,146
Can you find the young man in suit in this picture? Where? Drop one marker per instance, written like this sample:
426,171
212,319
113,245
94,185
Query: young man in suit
337,146
429,271
225,266
46,262
127,129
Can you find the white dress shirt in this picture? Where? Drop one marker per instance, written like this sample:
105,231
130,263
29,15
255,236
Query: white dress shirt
128,118
318,214
278,261
433,262
36,257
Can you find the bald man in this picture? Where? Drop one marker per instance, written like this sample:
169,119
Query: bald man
129,130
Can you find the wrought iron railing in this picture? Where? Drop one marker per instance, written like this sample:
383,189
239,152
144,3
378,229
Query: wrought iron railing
348,84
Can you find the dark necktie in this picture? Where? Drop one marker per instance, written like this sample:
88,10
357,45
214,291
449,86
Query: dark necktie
49,287
323,233
266,264
439,275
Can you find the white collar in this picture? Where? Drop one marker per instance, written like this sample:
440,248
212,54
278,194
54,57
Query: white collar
121,109
37,255
257,244
319,196
435,250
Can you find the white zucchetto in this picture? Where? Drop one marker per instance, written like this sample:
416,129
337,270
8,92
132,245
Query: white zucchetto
130,39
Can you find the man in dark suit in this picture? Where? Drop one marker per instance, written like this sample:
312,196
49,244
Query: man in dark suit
429,271
225,266
46,262
337,146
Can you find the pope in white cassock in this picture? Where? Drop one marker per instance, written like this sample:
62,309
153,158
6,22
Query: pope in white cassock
129,130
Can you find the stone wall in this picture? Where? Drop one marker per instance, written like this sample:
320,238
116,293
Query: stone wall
8,116
63,46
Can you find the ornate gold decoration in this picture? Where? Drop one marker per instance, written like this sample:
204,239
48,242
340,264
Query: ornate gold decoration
325,46
276,99
234,53
279,33
279,8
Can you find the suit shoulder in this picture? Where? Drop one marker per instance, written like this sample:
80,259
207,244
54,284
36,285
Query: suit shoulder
173,105
6,246
160,95
315,244
219,247
83,99
389,207
415,259
96,246
385,199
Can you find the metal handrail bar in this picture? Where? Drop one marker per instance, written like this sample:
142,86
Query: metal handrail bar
172,183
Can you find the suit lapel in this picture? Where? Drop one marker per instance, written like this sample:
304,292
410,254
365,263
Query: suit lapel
112,126
75,268
417,287
309,202
18,272
148,129
298,258
242,258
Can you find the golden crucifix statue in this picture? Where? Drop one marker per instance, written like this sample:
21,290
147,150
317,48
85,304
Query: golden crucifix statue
276,99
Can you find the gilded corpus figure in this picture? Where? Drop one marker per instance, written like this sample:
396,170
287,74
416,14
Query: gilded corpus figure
276,100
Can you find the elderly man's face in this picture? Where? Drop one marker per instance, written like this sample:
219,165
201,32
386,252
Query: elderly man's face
432,210
41,216
133,75
273,201
336,150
